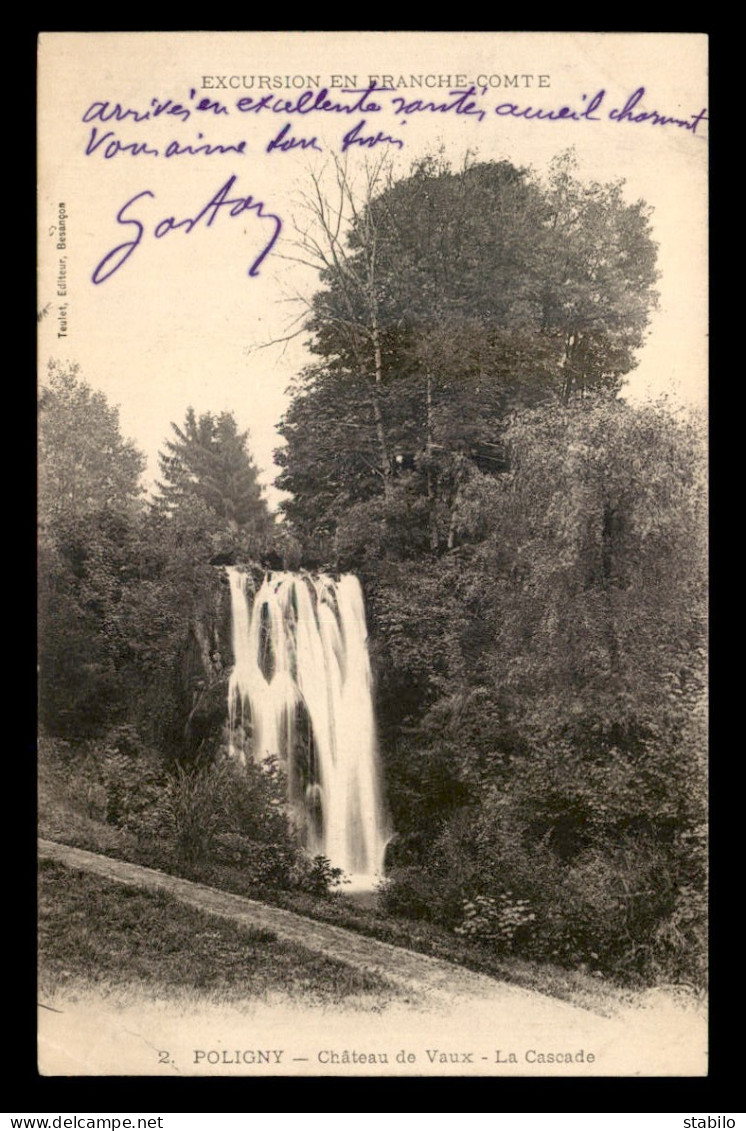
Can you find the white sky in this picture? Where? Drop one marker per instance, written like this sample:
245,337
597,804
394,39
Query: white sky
181,322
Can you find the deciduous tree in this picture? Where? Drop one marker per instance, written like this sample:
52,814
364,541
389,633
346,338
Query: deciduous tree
89,497
85,464
456,298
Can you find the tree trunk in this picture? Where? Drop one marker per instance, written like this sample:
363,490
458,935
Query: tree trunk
459,477
609,529
567,370
431,496
383,447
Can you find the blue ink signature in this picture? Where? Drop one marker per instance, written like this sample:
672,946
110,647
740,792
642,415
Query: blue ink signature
236,206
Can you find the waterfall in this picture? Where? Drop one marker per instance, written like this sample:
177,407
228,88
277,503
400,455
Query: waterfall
302,686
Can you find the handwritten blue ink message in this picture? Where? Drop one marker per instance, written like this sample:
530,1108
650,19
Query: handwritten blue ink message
104,119
469,103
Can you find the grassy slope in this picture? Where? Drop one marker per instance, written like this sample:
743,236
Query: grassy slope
96,933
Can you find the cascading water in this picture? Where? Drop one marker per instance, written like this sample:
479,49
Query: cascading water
302,682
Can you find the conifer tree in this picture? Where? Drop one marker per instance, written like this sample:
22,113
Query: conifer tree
209,460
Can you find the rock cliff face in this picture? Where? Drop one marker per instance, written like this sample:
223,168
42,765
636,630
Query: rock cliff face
204,667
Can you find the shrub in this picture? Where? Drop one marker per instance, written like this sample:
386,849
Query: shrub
130,774
316,875
497,920
263,866
234,817
631,907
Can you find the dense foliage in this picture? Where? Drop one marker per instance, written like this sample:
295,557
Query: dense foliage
89,494
532,551
544,693
459,298
125,584
133,686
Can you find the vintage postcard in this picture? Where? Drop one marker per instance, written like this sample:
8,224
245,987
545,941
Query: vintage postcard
372,401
